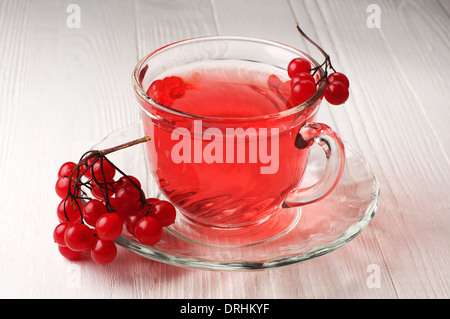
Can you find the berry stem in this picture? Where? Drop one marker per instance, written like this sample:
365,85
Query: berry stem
123,146
97,154
104,194
75,192
327,57
327,61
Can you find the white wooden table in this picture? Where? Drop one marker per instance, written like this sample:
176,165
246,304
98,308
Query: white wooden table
62,89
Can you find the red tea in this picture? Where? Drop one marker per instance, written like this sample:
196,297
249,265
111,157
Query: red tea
223,90
233,161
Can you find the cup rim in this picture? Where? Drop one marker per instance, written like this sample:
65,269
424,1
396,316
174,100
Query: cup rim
297,109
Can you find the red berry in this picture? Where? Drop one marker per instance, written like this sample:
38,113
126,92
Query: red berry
109,226
302,91
128,197
88,173
62,186
58,233
152,200
146,209
73,209
92,211
117,209
124,182
165,91
340,77
164,212
336,93
66,169
148,231
298,65
155,90
131,221
304,76
174,87
103,251
69,253
79,237
103,171
105,187
96,191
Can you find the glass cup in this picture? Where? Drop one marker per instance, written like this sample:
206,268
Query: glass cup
252,191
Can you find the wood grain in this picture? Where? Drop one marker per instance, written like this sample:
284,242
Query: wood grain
62,90
401,138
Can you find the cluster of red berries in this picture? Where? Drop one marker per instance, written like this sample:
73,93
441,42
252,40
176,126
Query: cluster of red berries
89,225
303,85
166,90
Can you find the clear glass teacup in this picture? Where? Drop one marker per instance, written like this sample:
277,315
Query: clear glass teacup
227,147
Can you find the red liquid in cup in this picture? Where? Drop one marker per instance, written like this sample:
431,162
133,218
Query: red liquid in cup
229,191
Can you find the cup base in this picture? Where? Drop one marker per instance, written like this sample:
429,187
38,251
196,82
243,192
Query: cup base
278,225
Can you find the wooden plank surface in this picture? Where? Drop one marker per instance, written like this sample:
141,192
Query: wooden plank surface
63,89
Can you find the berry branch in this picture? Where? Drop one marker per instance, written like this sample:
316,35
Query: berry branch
327,61
92,223
92,157
303,84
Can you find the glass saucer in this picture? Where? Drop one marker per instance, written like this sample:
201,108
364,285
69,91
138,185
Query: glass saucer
322,227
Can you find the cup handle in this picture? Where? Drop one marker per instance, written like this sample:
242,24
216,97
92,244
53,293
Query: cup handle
331,144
